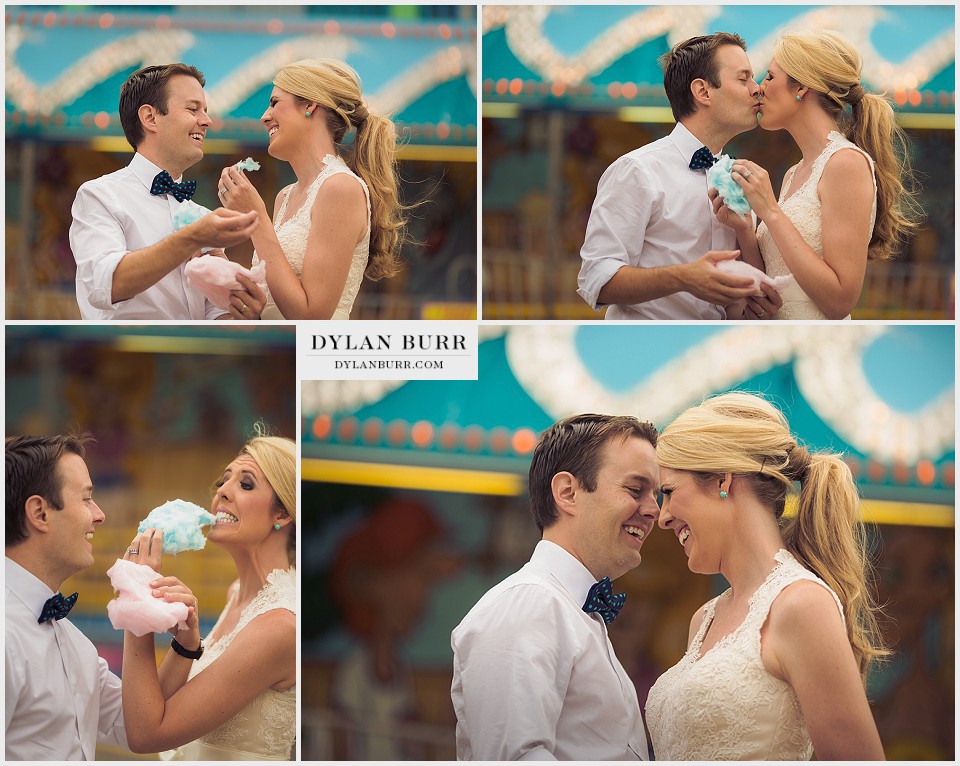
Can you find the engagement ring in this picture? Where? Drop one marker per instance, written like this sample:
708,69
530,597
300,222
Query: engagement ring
133,550
221,192
746,173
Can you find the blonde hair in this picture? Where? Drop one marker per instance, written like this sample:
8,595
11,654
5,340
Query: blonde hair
277,458
336,87
745,435
828,63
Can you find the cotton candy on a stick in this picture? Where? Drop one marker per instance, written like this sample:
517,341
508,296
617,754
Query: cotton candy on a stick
136,608
744,269
180,522
215,277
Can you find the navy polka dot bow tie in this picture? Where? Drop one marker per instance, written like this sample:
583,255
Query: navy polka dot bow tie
702,158
601,599
57,607
164,184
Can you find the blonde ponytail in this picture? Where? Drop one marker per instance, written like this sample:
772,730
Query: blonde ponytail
827,537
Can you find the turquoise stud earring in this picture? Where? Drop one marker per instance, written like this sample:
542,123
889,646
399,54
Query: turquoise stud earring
723,494
276,527
798,98
308,113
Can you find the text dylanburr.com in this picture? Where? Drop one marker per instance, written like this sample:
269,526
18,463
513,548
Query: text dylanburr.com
387,350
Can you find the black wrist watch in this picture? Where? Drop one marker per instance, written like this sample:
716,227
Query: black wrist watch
196,654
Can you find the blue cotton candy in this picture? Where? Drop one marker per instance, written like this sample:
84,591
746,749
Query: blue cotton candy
248,164
720,179
188,212
180,522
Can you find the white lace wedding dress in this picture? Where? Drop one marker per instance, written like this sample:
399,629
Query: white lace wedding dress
266,729
725,706
292,235
802,207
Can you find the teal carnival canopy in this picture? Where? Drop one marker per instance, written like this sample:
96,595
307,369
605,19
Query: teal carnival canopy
882,395
65,66
597,57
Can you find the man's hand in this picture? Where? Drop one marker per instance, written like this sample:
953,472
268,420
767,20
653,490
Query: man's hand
247,303
222,228
739,223
765,307
703,279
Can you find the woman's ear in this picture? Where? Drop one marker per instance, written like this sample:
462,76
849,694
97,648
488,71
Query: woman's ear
725,484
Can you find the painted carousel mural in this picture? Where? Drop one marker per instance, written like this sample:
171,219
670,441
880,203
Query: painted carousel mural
568,89
414,504
64,68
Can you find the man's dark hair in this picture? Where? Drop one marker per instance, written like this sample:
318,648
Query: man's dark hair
693,59
149,86
32,470
575,444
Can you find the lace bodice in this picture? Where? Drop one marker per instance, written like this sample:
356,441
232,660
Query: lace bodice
292,235
266,728
725,705
802,207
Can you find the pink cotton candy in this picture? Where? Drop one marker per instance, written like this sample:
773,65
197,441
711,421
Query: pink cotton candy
215,277
136,608
744,269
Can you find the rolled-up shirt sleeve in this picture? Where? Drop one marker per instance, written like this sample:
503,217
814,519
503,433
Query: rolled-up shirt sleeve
618,221
98,243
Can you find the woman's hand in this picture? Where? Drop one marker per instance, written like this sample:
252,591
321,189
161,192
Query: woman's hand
172,589
146,548
237,193
741,224
755,182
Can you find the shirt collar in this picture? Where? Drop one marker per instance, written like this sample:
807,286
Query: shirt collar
26,586
686,142
569,572
146,171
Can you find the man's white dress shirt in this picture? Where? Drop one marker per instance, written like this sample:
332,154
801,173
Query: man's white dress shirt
536,678
652,210
61,697
112,216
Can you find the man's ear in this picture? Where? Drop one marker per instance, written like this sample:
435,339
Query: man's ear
701,91
37,512
565,486
148,115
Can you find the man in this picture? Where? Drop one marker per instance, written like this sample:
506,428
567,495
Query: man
535,676
61,699
130,262
653,242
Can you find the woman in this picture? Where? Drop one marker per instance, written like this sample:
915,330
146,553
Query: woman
845,202
775,666
341,220
234,696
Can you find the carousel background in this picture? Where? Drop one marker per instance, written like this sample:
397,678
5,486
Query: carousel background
64,69
568,89
169,408
414,498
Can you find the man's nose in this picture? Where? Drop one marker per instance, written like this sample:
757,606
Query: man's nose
98,515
